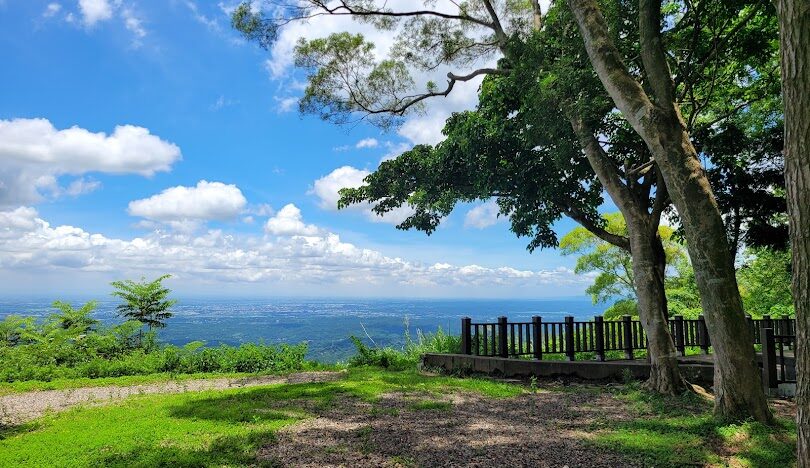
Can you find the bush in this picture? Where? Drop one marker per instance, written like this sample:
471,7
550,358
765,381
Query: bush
410,355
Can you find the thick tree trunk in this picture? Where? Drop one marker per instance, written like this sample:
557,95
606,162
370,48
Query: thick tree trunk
737,379
737,384
649,264
794,33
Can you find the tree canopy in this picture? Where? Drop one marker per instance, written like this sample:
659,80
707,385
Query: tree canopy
144,301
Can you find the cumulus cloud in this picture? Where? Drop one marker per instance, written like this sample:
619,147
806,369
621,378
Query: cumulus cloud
327,190
297,253
206,201
35,154
289,222
482,216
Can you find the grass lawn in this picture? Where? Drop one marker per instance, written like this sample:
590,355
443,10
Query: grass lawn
229,427
213,428
8,388
682,432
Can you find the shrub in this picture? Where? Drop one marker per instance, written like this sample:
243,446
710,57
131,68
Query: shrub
410,355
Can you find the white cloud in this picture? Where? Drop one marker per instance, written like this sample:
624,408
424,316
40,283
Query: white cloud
482,216
183,206
327,187
299,254
94,11
327,190
81,186
367,143
35,154
289,222
134,24
51,10
286,104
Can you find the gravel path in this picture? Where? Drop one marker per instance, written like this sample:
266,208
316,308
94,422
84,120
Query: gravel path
537,430
21,407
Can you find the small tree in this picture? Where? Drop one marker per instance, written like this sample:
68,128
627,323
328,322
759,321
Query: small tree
613,264
79,319
144,301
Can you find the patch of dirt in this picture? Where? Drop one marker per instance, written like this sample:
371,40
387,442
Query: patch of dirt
539,429
22,407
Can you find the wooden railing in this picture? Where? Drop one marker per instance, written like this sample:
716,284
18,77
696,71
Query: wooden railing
599,336
777,367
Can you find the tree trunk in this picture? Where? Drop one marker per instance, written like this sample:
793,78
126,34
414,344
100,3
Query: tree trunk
737,379
649,264
737,383
794,38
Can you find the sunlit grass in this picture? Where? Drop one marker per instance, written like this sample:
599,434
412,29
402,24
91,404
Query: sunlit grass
682,431
211,428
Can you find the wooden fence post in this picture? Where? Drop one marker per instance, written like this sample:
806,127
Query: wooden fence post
704,334
751,329
503,344
769,376
599,323
680,345
466,335
767,322
569,338
537,337
627,334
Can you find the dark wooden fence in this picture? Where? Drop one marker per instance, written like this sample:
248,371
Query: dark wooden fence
598,336
777,367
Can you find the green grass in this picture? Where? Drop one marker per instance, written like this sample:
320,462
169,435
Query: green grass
212,428
7,388
431,405
227,427
683,432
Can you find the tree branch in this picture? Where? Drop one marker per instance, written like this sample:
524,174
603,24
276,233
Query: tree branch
605,169
345,9
625,91
653,55
613,239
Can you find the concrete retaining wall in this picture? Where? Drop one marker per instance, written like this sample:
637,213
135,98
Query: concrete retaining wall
587,370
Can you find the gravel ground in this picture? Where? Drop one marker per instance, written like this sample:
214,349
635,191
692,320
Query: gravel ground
21,407
537,430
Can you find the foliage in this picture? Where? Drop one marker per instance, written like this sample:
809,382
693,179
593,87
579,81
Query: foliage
144,301
746,172
408,357
683,297
613,265
71,344
77,319
765,279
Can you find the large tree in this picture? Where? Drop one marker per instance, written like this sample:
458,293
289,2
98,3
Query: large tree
348,81
649,102
794,28
535,149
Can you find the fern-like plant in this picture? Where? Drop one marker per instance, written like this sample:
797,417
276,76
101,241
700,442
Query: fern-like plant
144,301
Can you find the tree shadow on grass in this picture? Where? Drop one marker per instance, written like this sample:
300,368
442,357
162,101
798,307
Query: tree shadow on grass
223,451
258,412
683,431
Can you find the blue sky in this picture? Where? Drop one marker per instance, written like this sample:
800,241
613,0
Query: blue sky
145,137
